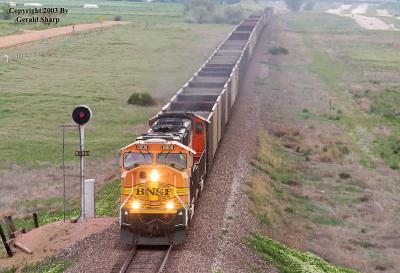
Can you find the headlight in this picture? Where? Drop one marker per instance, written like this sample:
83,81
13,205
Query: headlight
170,205
154,176
135,205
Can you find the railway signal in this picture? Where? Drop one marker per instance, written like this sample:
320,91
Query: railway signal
81,115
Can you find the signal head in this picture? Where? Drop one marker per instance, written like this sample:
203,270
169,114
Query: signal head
81,114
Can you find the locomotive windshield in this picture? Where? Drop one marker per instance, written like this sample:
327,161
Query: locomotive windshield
173,159
133,159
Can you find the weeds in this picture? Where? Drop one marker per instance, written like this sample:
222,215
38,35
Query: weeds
108,201
275,173
50,265
287,260
333,152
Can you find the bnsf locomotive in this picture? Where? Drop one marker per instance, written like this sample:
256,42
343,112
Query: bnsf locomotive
164,170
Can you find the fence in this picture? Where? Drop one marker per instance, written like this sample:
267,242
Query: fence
10,57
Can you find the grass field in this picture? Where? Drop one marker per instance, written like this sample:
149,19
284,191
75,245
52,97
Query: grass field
108,9
353,69
102,69
332,135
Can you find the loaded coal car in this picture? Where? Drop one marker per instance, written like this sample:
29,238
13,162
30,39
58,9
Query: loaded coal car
163,172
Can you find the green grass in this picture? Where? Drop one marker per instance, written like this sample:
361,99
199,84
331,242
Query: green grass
154,55
108,203
385,106
288,260
388,148
326,221
50,265
8,269
386,103
321,63
319,23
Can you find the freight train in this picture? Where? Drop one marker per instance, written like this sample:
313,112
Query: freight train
163,172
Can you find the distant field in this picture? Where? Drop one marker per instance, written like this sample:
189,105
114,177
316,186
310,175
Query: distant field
331,115
107,9
156,54
360,64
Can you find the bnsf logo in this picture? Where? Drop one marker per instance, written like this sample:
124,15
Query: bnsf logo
153,191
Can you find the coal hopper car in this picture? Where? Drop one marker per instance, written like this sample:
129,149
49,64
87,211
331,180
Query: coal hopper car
163,171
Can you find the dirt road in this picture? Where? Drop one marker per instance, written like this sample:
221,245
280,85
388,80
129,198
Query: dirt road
31,36
357,14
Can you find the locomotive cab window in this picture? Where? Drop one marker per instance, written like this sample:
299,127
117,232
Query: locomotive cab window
177,161
199,128
133,159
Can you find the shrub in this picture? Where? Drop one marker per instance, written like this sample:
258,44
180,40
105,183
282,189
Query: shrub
278,50
344,175
142,99
117,18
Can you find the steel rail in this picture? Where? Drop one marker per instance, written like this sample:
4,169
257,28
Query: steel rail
129,260
164,262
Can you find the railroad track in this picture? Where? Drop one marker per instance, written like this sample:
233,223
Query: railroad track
143,260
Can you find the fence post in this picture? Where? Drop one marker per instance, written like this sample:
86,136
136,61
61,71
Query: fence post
9,226
5,243
35,219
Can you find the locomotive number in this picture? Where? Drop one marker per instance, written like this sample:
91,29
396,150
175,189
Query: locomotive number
167,147
141,146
